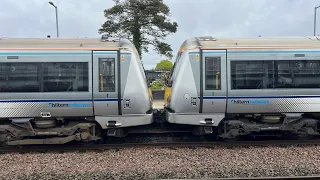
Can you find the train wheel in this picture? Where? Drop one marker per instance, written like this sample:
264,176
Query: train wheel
3,139
91,135
304,135
229,133
236,138
7,136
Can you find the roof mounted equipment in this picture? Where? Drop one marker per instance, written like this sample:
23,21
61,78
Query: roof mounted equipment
107,38
207,38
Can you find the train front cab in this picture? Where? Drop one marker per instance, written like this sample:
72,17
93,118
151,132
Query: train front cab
124,101
199,90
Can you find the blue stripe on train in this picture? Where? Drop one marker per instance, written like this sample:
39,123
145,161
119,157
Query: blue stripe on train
57,53
255,97
258,51
60,100
116,99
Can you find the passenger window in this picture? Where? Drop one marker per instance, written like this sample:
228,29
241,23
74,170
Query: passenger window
65,77
19,77
297,74
251,74
275,74
213,73
107,74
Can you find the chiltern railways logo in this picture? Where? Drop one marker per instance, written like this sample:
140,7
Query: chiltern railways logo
59,105
249,101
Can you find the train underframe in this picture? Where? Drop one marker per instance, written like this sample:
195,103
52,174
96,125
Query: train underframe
62,130
31,131
51,130
35,131
234,126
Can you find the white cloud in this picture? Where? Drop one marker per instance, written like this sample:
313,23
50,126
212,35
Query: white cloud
233,18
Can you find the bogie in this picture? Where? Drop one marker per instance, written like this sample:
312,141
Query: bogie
299,127
43,131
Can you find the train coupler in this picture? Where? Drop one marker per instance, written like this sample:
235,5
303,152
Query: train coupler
159,116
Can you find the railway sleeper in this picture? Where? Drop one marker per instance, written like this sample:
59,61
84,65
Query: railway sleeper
24,133
302,128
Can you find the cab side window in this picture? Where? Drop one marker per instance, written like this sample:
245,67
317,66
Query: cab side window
107,74
213,73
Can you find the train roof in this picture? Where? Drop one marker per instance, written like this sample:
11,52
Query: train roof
212,42
62,43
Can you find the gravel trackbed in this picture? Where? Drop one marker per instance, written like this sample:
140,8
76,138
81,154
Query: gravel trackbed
162,163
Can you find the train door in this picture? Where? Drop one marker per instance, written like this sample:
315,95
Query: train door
214,84
105,82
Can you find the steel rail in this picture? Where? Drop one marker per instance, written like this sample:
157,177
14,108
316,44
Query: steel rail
92,147
262,178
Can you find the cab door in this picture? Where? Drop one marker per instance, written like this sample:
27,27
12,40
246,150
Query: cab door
105,82
214,84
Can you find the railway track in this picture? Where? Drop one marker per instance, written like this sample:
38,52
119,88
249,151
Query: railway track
101,147
265,178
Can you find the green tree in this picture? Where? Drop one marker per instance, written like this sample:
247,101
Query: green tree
145,22
164,65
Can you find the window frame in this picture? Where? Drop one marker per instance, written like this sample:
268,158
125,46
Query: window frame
275,73
214,59
114,73
40,77
87,75
39,69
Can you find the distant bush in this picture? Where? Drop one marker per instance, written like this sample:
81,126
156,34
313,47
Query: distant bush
157,85
164,65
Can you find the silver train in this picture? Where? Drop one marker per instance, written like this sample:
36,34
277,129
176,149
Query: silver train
239,86
53,91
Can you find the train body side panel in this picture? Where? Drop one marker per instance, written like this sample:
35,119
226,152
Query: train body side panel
54,82
271,81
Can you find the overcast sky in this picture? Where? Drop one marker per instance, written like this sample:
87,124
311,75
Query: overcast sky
221,18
